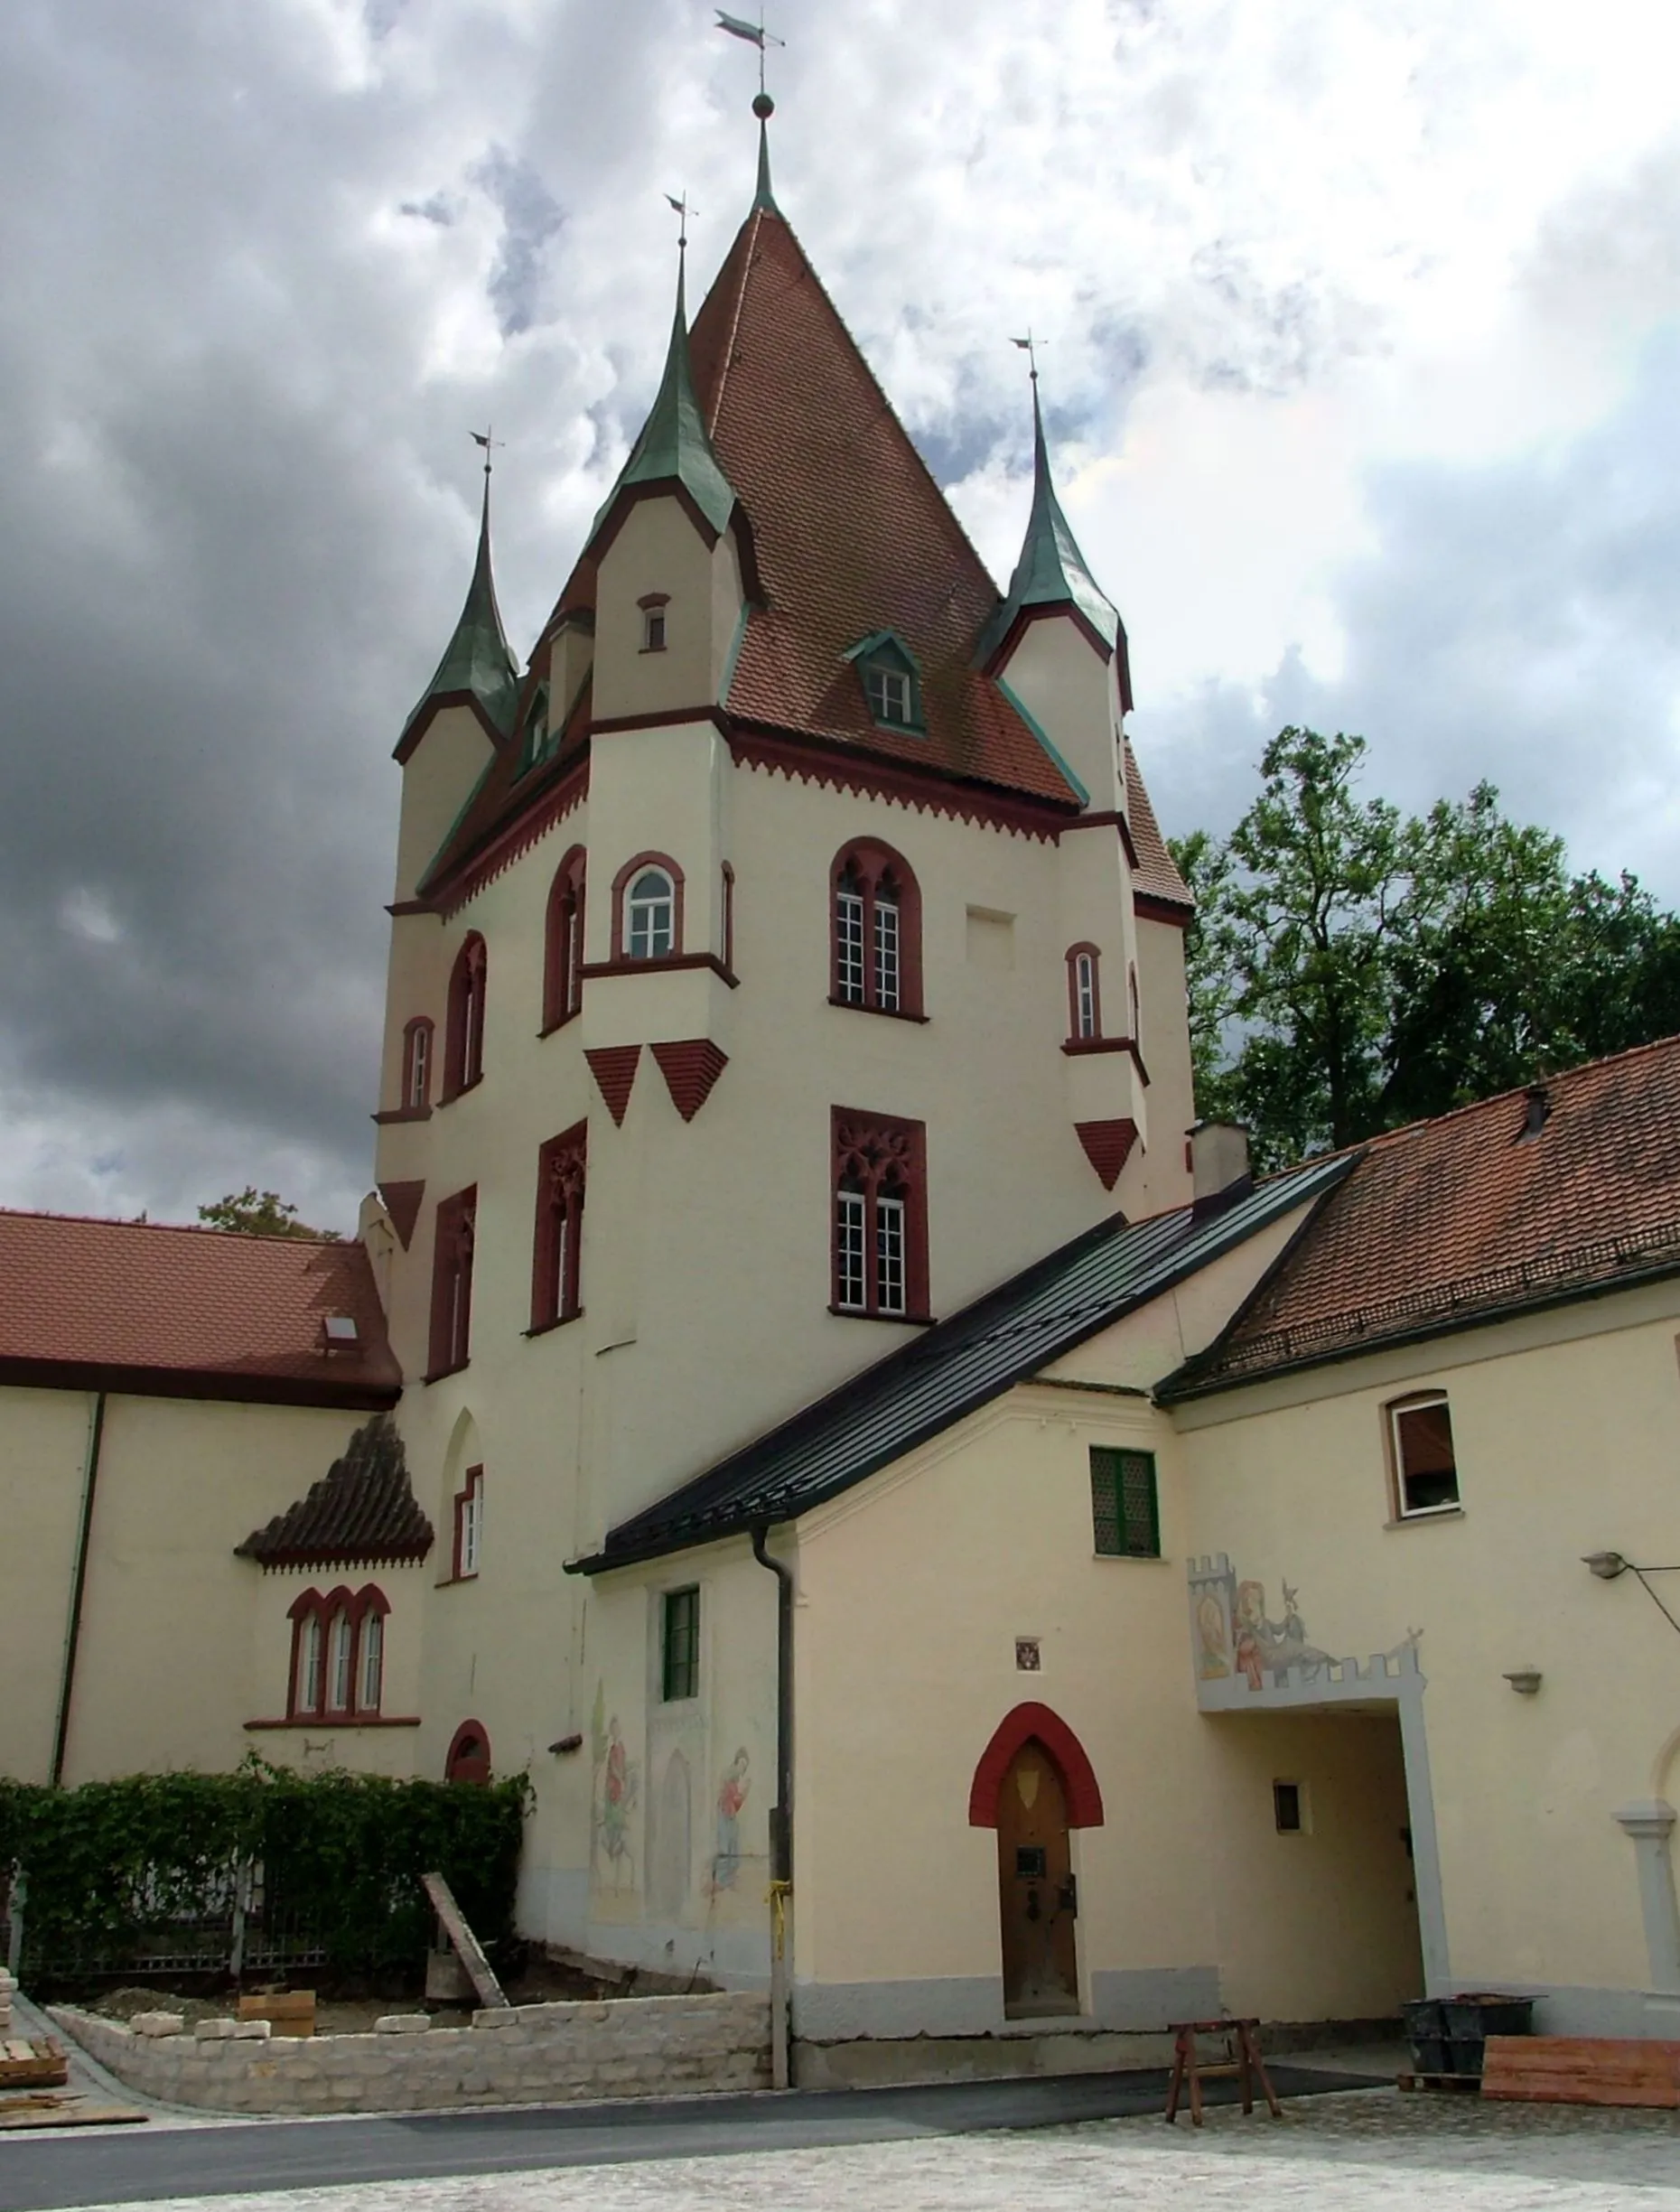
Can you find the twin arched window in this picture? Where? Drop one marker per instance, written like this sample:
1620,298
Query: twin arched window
562,951
463,1044
875,931
338,1654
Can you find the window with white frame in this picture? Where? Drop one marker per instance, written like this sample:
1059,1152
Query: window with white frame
879,1256
889,691
341,1660
371,1662
338,1655
307,1676
875,931
468,1525
1425,1462
1085,994
650,916
417,1065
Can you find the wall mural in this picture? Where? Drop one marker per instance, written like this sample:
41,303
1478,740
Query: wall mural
1234,1636
670,1851
732,1795
615,1789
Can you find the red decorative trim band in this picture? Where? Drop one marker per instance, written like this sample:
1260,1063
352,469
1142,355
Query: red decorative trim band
661,966
613,1067
1076,1047
318,1721
448,898
1108,1146
611,723
1035,1723
403,1114
806,760
690,1069
1147,908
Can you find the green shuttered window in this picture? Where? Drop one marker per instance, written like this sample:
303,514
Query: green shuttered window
681,1645
1124,1511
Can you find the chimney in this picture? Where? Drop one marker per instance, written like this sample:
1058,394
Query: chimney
1220,1173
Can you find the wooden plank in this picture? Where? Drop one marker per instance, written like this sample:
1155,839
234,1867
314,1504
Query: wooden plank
1583,2070
287,2011
492,1996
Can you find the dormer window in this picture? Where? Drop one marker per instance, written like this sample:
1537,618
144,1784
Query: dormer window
891,679
653,621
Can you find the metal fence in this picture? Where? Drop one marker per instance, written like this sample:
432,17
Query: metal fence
239,1930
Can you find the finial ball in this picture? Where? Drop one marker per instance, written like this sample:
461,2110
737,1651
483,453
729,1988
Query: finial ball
763,106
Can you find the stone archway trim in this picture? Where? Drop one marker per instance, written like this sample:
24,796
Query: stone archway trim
1024,1724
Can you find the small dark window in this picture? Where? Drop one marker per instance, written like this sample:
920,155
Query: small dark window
680,1669
1426,1474
1286,1808
1031,1862
653,630
1126,1513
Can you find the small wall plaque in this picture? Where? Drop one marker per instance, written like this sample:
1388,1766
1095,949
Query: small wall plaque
1027,1655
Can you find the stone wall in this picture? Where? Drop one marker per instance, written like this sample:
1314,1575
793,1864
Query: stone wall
531,2054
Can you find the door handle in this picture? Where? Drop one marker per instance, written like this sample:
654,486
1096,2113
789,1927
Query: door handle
1067,1896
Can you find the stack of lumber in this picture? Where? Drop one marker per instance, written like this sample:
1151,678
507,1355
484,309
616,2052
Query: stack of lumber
7,1984
288,2012
1582,2069
33,2066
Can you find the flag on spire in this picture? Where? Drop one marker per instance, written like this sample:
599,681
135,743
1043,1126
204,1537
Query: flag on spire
755,34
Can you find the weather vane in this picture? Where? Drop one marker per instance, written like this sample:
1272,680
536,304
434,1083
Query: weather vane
491,445
683,212
755,34
1030,346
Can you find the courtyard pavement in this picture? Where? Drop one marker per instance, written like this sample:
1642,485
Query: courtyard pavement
1366,2151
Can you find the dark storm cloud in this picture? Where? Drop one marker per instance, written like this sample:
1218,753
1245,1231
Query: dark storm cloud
530,216
1514,622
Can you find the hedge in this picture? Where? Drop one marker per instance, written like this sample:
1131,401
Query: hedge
110,1864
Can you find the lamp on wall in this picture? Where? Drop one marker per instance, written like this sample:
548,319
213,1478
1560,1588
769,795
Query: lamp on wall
1608,1565
1525,1680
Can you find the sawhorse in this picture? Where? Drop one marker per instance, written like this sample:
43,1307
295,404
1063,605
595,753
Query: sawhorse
1245,2063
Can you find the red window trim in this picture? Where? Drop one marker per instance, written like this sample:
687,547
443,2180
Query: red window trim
562,943
620,885
1075,953
411,1108
463,1044
1036,1723
473,1479
562,1176
458,1769
312,1606
872,861
452,1250
868,1146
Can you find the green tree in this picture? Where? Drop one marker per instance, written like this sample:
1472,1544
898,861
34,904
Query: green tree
252,1212
1351,969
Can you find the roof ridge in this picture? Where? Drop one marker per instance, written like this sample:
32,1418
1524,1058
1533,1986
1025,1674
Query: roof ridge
749,227
1515,1090
178,1229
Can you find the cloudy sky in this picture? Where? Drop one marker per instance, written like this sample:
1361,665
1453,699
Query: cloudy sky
1364,346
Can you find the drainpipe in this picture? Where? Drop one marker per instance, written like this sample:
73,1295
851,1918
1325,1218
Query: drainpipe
78,1584
781,1812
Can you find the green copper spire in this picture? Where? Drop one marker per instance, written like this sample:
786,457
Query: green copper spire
674,447
1051,570
764,108
477,660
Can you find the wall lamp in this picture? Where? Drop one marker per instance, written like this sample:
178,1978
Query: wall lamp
1608,1565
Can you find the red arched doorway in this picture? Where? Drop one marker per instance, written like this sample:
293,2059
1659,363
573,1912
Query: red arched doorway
1034,1785
469,1758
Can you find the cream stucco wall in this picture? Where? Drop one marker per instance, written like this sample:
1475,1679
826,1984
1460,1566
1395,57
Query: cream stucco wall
1564,1428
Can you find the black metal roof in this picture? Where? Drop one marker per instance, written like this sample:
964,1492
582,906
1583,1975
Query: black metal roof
953,1368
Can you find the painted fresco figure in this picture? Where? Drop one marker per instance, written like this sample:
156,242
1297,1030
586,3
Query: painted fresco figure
731,1797
618,1797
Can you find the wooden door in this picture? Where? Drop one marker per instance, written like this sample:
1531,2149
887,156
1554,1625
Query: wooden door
1036,1893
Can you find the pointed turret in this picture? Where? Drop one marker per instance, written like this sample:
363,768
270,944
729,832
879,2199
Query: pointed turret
477,664
674,448
1052,573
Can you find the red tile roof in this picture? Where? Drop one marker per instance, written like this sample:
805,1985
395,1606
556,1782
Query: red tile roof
138,1306
1466,1217
361,1513
1156,875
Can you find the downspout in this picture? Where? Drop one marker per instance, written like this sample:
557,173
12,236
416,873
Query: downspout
782,1812
78,1584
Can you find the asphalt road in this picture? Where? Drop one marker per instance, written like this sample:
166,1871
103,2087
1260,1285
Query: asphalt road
128,2166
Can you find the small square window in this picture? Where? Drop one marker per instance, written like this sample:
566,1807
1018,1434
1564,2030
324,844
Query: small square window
1289,1808
1126,1511
680,1645
653,630
1426,1474
889,694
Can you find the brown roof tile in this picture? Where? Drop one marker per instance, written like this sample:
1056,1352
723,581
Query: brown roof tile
1465,1216
1156,875
361,1513
136,1305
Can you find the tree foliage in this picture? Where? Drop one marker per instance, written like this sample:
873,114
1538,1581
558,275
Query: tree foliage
252,1212
1352,968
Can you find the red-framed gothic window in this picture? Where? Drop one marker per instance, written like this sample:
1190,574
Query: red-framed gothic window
648,908
467,1543
562,943
463,1042
338,1654
875,930
417,1065
880,1223
1085,1002
729,919
451,1284
562,1166
468,1759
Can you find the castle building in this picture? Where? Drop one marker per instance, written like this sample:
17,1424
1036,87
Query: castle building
901,1490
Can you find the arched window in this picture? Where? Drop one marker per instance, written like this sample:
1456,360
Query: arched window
648,908
881,1216
338,1654
562,1167
308,1651
452,1282
340,1659
1085,1005
874,931
370,1658
417,1065
469,1756
1130,981
463,1050
563,948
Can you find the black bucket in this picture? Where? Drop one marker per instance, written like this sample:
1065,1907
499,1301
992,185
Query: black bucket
1471,2019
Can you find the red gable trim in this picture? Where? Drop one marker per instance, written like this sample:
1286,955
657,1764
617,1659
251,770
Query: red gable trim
1108,1146
132,1382
1035,1723
614,1069
803,759
690,1069
402,1202
1148,909
447,899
